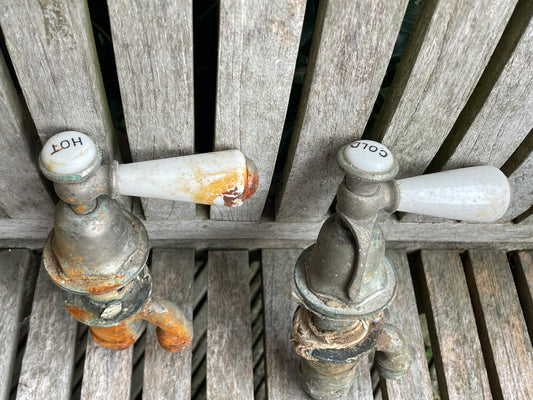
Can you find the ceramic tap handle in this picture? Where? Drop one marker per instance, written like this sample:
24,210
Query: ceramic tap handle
478,194
224,178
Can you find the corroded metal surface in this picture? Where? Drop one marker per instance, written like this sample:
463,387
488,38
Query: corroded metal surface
344,282
174,330
97,251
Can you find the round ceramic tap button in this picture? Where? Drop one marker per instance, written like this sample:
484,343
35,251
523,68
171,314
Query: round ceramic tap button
369,156
69,156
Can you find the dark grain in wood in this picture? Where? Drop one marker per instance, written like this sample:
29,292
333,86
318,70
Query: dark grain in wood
23,195
168,375
107,373
403,313
254,235
229,335
352,44
524,284
48,362
14,265
52,48
503,331
152,42
449,47
458,355
258,44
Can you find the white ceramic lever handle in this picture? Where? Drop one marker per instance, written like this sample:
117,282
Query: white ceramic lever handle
224,178
480,194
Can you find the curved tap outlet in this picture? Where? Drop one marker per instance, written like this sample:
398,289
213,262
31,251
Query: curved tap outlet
174,330
97,251
345,280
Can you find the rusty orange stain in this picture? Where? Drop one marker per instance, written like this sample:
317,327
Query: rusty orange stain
173,341
252,182
228,189
209,192
70,199
99,287
118,337
120,276
79,313
173,331
80,208
100,189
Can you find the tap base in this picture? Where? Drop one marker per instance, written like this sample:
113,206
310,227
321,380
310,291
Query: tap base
382,284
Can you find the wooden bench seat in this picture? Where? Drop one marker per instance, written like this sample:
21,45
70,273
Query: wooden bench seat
477,304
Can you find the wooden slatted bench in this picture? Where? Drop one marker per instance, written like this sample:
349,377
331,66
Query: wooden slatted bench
477,303
448,89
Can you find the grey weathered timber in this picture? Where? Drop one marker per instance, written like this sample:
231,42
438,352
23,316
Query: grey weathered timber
51,45
152,42
521,184
279,306
458,355
524,284
22,194
258,44
168,375
347,64
403,313
48,362
14,265
499,122
229,334
449,47
503,333
253,235
106,373
362,386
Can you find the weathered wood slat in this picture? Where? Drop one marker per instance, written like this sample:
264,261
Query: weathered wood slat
351,48
106,373
458,355
521,179
500,122
154,65
524,285
258,44
168,375
362,386
14,265
449,47
229,334
22,193
52,49
503,332
403,313
279,306
48,362
253,235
